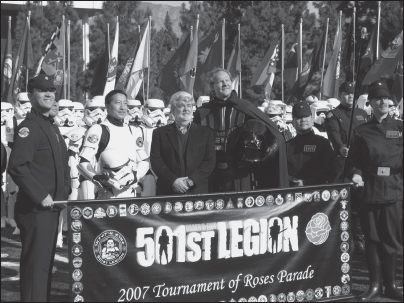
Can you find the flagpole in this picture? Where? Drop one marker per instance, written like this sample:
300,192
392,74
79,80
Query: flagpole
325,52
282,63
239,54
68,59
354,40
29,28
379,3
300,45
223,38
192,33
148,59
196,35
138,27
64,62
109,47
38,70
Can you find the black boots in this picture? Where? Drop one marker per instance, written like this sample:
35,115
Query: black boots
375,273
389,269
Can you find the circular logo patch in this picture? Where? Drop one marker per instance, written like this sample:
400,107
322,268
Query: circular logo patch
156,208
92,139
346,289
198,205
281,297
279,200
77,262
344,236
262,298
291,297
345,257
344,193
219,204
8,129
318,229
326,195
167,207
145,209
133,209
242,300
209,205
78,298
307,197
344,225
77,287
344,246
139,142
334,195
77,275
249,201
272,298
309,294
23,132
269,200
300,295
289,198
110,248
316,196
319,293
189,206
260,200
87,213
178,206
111,211
343,215
345,268
77,250
252,299
336,290
75,213
74,137
76,225
345,278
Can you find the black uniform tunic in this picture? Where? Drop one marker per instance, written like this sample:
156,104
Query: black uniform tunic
377,154
310,158
39,166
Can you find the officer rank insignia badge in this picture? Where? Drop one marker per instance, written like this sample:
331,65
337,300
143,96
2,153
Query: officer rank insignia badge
309,148
390,134
23,132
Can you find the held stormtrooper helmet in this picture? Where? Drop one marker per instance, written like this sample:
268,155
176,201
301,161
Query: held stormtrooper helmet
135,112
333,103
254,142
95,111
364,104
319,111
275,110
118,167
22,106
65,116
311,99
7,112
153,113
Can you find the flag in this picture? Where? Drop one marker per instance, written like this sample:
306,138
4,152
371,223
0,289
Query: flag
139,64
169,78
123,79
113,63
331,80
188,69
23,62
348,55
234,65
101,70
367,60
397,89
313,65
7,67
387,63
291,65
47,50
209,57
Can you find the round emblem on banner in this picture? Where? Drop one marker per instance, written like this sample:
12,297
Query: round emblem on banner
133,209
346,289
309,294
326,195
307,197
111,211
252,299
76,225
281,297
87,212
145,209
110,247
189,206
334,195
78,298
23,132
336,290
318,229
262,298
242,300
300,295
344,246
76,237
316,196
77,262
344,236
344,193
249,201
75,213
178,206
345,278
77,287
139,142
260,200
343,215
156,208
269,200
289,198
345,268
318,293
279,200
272,298
345,257
77,275
344,225
77,250
209,205
219,204
198,205
167,207
92,139
291,297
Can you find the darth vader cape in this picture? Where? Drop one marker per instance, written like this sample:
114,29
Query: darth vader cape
252,111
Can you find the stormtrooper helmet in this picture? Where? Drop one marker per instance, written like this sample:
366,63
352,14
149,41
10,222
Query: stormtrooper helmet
201,100
364,104
393,110
311,99
95,111
168,114
78,110
333,103
134,111
153,109
319,111
7,112
65,116
22,106
118,166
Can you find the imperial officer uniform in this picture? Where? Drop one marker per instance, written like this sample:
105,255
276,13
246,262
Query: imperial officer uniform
39,166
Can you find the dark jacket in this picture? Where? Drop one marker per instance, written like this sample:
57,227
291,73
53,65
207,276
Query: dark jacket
200,157
39,163
378,145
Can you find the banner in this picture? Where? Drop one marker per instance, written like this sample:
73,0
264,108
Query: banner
274,245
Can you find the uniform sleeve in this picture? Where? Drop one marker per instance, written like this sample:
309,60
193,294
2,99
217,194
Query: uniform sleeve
20,160
157,163
353,162
209,160
325,171
332,128
66,168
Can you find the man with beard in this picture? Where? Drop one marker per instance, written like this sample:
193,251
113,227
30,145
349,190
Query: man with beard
224,113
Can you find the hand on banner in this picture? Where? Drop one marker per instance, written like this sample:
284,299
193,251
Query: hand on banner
47,202
344,151
102,180
357,179
180,186
297,182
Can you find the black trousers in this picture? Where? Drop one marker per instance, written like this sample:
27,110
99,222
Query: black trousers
38,239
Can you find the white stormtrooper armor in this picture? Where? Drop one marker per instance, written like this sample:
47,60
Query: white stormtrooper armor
363,103
169,116
79,113
122,159
95,111
22,106
311,99
319,111
333,103
276,110
65,118
7,113
135,112
262,108
201,100
393,110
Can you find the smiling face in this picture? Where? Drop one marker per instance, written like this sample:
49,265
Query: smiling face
222,85
182,110
347,99
380,105
43,100
118,107
303,124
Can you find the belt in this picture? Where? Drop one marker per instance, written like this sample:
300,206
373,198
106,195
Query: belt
383,171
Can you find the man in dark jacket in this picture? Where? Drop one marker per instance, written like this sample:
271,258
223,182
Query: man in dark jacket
224,114
182,153
39,166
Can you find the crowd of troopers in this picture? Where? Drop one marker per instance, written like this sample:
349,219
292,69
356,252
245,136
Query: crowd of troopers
76,122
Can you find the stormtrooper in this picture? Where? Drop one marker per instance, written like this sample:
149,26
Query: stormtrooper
79,113
135,113
110,251
153,117
118,150
333,103
319,111
276,110
311,99
363,103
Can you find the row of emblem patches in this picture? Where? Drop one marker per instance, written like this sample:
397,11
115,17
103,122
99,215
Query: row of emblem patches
300,295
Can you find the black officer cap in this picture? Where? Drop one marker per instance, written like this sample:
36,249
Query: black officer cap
378,89
301,109
108,97
347,87
41,81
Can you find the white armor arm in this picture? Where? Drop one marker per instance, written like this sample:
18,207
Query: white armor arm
76,137
142,169
91,142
